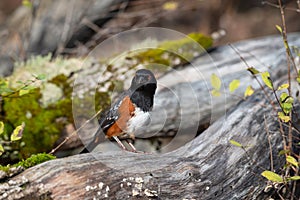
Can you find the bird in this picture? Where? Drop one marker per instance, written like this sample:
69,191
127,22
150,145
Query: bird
129,112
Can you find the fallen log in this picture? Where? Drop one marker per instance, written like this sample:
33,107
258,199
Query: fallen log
208,167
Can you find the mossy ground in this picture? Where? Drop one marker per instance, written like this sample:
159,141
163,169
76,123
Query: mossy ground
177,52
43,124
29,162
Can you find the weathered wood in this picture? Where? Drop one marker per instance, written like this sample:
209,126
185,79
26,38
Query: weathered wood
208,167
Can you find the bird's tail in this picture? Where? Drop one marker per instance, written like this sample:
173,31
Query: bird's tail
97,139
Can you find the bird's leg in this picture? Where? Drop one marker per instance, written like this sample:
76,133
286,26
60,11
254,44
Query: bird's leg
132,137
120,143
131,146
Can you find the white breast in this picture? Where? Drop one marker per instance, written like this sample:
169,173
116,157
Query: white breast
139,120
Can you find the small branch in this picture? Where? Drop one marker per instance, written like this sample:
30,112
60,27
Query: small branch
28,83
260,85
270,145
286,8
266,94
74,132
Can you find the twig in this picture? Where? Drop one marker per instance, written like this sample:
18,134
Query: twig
74,132
259,83
267,96
286,8
270,145
28,83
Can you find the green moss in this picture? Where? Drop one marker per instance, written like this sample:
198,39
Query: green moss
102,100
175,52
29,162
205,41
35,160
5,168
43,124
41,130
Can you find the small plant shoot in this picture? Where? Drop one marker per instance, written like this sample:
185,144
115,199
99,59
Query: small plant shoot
17,133
283,117
279,28
286,103
283,86
267,79
272,176
235,143
216,84
292,160
1,127
249,91
253,71
234,85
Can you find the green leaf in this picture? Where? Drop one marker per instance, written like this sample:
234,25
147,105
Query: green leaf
17,133
1,149
29,87
283,97
41,77
279,28
23,92
294,178
283,117
249,91
234,85
292,160
235,143
170,5
1,127
215,81
266,79
271,176
298,77
215,93
289,100
27,3
20,82
286,102
282,152
283,86
287,107
253,71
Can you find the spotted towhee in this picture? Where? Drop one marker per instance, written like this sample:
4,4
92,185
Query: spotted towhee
129,112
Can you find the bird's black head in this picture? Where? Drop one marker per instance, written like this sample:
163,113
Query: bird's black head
143,88
144,80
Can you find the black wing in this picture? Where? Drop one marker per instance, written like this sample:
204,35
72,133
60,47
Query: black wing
107,119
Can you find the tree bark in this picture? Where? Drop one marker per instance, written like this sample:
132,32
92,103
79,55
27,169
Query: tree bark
208,167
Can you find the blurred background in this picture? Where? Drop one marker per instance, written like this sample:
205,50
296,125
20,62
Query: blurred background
74,27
